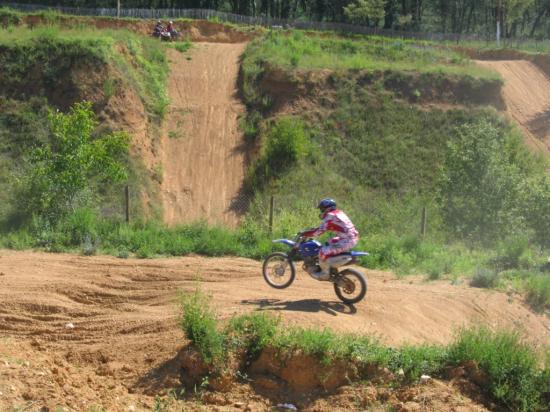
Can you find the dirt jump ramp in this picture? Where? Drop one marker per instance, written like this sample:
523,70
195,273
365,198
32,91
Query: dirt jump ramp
527,96
203,153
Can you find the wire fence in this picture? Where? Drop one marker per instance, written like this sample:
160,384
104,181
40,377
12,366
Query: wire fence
266,21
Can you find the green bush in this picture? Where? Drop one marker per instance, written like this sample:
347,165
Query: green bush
286,143
9,17
253,331
538,291
511,366
58,177
480,160
417,360
200,325
484,278
514,253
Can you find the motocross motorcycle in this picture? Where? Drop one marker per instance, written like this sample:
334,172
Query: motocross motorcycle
279,269
165,35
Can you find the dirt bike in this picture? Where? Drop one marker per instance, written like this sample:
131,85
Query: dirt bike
279,270
166,35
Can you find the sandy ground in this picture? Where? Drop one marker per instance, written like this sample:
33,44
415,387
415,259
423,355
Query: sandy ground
527,96
78,330
203,154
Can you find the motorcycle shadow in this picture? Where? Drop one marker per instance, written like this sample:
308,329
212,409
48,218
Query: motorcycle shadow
304,305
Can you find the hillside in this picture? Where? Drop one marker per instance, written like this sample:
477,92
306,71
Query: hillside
527,94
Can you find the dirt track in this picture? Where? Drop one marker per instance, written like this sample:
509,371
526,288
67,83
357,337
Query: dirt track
203,157
527,96
125,318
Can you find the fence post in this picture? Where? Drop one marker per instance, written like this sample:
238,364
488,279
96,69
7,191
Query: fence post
271,207
424,221
127,203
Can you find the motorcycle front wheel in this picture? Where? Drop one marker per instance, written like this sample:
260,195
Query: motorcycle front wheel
278,270
351,286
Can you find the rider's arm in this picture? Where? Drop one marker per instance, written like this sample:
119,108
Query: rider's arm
316,232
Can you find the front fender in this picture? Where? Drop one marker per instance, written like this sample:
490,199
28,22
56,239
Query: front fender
285,241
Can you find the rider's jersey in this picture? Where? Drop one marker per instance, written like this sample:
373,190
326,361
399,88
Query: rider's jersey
335,221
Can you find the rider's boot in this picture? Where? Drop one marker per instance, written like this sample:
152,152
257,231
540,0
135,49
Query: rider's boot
324,271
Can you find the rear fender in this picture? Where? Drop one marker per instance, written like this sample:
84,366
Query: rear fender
355,256
340,260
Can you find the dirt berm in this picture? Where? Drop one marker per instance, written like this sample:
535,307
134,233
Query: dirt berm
80,330
527,95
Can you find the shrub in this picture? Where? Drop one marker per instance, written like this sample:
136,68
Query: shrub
200,325
59,175
514,253
484,278
477,162
286,142
417,360
254,331
183,46
9,17
511,366
538,291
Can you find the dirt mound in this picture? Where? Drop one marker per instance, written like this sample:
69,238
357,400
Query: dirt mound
285,89
104,331
203,153
196,30
527,96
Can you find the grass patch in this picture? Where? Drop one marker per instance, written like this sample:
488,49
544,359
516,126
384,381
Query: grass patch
296,50
53,51
514,377
538,291
484,278
201,327
511,366
182,46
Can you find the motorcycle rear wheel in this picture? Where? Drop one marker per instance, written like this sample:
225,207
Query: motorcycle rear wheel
276,268
351,286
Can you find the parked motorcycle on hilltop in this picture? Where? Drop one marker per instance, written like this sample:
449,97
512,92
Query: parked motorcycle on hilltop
165,34
279,270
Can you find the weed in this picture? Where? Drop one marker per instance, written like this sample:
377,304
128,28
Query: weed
254,331
372,53
123,254
484,278
538,291
182,47
172,134
201,327
511,366
109,88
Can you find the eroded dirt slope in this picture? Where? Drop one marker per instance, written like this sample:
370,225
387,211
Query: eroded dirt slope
527,96
203,153
121,349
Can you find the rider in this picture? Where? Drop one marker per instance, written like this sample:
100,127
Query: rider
170,29
334,220
159,28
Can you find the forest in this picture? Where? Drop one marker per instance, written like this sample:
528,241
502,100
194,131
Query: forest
516,18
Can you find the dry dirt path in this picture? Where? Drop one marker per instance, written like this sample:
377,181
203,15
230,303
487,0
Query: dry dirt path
203,154
527,96
122,347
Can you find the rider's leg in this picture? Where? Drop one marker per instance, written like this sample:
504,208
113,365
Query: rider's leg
335,247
